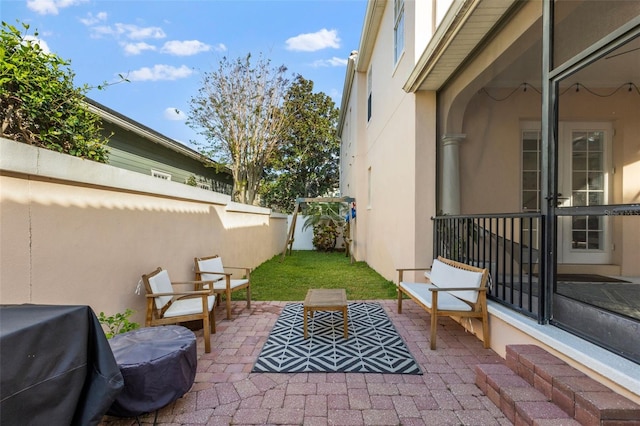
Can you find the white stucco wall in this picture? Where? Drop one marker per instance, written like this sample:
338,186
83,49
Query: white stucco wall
78,232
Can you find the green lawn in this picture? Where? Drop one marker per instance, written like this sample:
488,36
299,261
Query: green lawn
289,279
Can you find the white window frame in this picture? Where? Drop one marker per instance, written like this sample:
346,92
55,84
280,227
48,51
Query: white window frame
398,30
160,175
369,91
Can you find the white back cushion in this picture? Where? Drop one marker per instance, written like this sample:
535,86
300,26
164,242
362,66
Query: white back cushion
447,276
160,283
211,265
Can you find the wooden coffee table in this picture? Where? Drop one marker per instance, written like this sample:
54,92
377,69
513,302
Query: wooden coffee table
326,299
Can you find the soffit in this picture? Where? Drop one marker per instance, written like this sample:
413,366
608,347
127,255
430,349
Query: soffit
464,27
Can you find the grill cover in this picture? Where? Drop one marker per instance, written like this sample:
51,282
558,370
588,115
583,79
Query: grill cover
56,366
158,365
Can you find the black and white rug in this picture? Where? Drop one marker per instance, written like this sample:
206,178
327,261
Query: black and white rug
373,346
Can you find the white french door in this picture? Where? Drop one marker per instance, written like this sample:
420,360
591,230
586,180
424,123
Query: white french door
584,178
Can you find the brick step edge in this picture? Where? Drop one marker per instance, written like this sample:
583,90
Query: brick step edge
520,402
579,396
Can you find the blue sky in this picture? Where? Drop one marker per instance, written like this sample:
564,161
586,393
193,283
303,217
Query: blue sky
165,46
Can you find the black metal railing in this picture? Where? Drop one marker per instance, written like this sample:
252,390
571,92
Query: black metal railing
507,245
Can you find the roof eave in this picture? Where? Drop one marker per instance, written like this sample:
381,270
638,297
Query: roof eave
454,41
360,61
111,116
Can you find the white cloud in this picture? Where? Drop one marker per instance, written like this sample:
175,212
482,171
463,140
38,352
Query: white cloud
310,42
159,72
220,47
129,31
43,44
174,114
51,7
137,48
93,20
333,62
185,48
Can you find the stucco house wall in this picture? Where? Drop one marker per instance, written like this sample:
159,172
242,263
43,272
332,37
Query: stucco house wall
390,170
404,138
79,232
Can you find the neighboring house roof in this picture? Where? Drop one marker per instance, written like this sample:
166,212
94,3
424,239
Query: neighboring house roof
112,116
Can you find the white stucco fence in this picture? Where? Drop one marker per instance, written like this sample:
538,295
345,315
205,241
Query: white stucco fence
76,232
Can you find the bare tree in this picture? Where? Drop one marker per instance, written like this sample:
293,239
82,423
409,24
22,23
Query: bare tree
238,110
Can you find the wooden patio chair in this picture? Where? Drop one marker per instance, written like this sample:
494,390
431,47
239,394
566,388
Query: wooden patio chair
166,306
211,269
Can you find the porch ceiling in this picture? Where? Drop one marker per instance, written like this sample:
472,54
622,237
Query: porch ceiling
463,28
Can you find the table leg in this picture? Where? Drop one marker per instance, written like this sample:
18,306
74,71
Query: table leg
304,320
346,326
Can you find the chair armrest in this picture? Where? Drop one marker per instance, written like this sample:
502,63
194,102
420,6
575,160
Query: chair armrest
237,267
179,293
457,289
194,282
217,273
401,272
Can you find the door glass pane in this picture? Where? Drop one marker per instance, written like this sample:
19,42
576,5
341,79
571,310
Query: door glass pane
530,181
579,161
579,181
595,198
580,222
596,180
587,183
595,161
530,141
579,141
579,240
594,222
579,199
530,200
530,189
595,141
530,160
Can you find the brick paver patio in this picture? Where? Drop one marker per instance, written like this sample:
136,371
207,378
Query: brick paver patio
225,391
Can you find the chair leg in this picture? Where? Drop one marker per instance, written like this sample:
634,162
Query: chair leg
399,300
212,314
434,328
206,333
485,329
228,296
249,296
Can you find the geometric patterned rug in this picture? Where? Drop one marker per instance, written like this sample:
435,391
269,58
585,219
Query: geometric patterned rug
373,346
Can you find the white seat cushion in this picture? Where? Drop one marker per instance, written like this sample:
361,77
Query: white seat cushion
188,306
446,302
161,283
222,284
447,276
211,265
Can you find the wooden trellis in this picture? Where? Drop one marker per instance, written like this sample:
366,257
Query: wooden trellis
288,247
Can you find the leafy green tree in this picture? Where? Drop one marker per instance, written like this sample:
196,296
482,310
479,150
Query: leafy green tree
39,104
239,111
307,162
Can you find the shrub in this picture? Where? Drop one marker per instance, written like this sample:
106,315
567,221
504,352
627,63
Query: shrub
39,104
117,323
